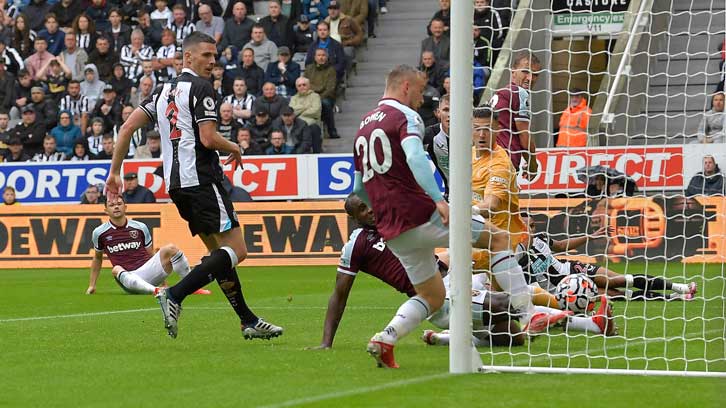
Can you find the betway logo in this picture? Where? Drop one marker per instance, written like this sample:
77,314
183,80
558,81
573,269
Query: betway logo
123,246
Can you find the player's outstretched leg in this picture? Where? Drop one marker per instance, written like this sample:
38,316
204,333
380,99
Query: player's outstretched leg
131,282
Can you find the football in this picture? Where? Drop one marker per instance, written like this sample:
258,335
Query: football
577,293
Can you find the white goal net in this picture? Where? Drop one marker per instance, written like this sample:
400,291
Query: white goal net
629,133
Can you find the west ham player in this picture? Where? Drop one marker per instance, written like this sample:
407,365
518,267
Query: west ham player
128,245
393,176
512,105
536,256
185,110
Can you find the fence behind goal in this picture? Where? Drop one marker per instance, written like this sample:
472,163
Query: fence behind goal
648,70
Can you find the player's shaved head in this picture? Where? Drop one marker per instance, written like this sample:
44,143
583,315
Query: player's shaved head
352,202
196,38
359,211
401,74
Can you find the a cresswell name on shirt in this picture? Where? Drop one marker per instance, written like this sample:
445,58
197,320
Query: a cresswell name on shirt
124,246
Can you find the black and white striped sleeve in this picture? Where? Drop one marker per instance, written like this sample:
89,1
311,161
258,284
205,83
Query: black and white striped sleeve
204,102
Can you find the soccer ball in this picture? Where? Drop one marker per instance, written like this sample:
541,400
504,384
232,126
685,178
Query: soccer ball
576,292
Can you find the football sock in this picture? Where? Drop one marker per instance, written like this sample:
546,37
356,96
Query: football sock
232,288
180,264
134,283
680,287
648,282
411,313
543,298
582,323
201,275
646,295
443,339
510,278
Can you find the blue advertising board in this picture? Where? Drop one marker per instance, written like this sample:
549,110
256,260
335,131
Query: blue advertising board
62,182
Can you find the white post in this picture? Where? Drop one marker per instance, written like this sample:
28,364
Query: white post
462,60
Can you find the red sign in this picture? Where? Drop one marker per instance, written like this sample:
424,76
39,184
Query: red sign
657,167
263,177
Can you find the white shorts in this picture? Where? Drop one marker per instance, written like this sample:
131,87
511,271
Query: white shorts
415,247
152,272
440,319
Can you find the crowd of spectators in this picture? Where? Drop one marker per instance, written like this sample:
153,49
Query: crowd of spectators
71,71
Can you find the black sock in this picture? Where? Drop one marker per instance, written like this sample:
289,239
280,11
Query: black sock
232,288
648,295
648,282
201,275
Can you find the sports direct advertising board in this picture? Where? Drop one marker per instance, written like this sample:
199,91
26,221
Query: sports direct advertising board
665,169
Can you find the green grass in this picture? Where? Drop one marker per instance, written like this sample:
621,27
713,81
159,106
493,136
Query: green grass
83,356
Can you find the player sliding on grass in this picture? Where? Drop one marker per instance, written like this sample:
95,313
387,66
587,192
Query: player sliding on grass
393,177
128,245
541,266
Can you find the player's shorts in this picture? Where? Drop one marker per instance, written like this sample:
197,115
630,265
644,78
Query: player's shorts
207,208
479,309
151,272
576,267
415,247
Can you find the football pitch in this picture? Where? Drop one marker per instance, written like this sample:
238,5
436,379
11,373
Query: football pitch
62,348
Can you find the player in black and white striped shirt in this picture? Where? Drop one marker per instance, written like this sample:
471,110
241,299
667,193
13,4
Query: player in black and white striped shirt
77,104
185,110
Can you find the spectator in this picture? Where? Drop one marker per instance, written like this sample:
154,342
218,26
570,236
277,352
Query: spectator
10,57
35,62
505,9
30,131
98,12
50,152
80,151
77,104
53,36
210,24
22,92
482,49
134,193
491,27
92,88
336,55
437,42
270,101
574,121
357,10
278,26
55,76
152,148
93,141
107,146
165,55
85,30
121,84
15,152
7,89
298,135
709,181
66,10
138,138
152,29
713,125
9,196
103,59
119,34
443,14
66,133
430,105
372,17
47,112
4,132
227,125
36,12
146,86
23,36
260,130
265,50
344,30
315,10
73,57
108,108
435,72
238,29
277,144
161,14
253,75
322,82
249,147
304,35
284,73
480,80
134,53
180,25
92,195
241,101
306,103
292,9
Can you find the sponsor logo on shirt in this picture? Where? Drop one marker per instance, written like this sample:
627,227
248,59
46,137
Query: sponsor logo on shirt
124,246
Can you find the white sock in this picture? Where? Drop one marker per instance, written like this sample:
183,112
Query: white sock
180,264
411,313
680,287
584,324
135,284
510,278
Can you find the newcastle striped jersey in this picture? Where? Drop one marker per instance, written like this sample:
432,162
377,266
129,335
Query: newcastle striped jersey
77,106
132,61
178,106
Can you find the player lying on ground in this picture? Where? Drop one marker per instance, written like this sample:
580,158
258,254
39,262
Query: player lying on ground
128,245
536,256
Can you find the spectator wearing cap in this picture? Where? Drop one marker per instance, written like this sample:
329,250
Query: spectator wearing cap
227,125
248,146
108,108
210,24
95,137
270,100
29,131
152,148
238,29
80,151
50,152
323,82
37,60
10,57
65,133
52,34
7,89
344,30
437,42
284,73
134,53
107,145
66,10
242,102
277,26
574,121
306,103
336,55
253,75
46,111
298,135
73,56
135,193
15,152
304,35
277,144
265,50
357,10
103,59
261,128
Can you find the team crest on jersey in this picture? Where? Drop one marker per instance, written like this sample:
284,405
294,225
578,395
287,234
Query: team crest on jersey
208,103
134,234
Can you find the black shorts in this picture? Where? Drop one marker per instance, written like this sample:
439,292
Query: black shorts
207,208
589,270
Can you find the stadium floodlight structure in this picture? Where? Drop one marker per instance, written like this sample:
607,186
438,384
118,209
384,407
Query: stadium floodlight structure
650,68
